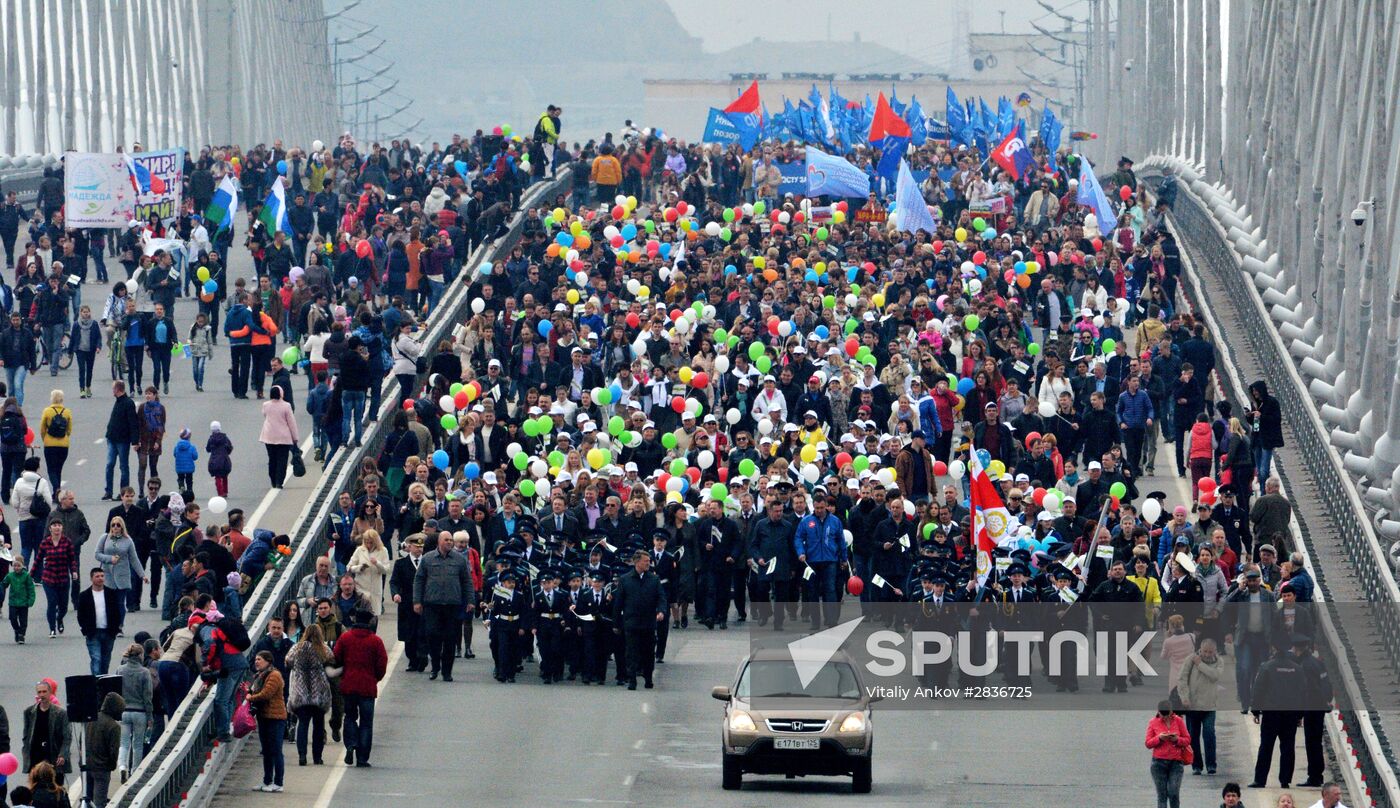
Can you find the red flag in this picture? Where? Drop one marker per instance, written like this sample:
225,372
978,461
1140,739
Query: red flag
885,123
990,518
1011,154
747,103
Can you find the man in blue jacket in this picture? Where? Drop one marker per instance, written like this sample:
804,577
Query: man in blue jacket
820,544
1135,415
240,348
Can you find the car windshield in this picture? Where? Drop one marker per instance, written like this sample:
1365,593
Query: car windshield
777,678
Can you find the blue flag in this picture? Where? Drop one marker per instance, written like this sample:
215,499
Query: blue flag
1050,130
833,176
895,103
910,211
957,120
1092,196
822,112
720,129
1006,117
918,127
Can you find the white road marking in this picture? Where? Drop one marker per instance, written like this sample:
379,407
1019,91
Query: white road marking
628,780
641,742
646,708
271,495
81,461
99,441
323,800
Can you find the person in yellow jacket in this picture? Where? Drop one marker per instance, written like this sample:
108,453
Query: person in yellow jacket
606,174
56,430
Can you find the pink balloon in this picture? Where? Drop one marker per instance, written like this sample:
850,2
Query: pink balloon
9,764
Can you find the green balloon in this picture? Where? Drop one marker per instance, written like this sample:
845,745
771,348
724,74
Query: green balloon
870,360
855,288
861,463
755,350
449,422
650,226
615,425
733,341
625,438
829,302
747,467
764,364
979,224
1109,345
527,487
549,220
729,214
862,352
1118,490
678,466
1033,349
607,456
851,326
521,460
556,458
971,322
604,396
721,335
528,427
455,388
718,492
544,424
289,357
726,234
928,530
668,440
822,233
759,207
699,308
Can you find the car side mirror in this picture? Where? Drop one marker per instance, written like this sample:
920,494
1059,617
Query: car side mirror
721,693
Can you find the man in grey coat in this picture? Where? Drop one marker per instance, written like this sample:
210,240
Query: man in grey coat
443,595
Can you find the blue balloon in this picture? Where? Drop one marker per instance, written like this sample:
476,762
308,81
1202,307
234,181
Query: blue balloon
822,332
564,239
929,283
570,274
281,166
210,287
629,231
440,459
616,390
473,470
685,485
851,273
811,276
730,269
965,386
461,167
984,456
989,234
545,327
665,250
1020,267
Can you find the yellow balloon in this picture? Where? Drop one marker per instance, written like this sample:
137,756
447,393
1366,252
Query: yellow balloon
878,299
673,496
819,267
759,262
559,214
576,227
686,375
644,292
838,217
996,467
894,475
596,458
960,234
572,296
685,225
554,471
631,202
809,453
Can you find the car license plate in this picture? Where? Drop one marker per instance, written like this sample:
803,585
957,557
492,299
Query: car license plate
797,743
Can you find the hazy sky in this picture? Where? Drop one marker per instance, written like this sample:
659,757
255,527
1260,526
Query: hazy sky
919,28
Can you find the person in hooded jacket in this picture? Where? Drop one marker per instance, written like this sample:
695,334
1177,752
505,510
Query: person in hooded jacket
102,748
220,464
1266,421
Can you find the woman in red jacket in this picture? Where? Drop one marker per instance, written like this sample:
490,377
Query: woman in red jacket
1171,751
360,654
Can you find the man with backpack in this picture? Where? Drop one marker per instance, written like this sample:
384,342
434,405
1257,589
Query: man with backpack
13,429
224,641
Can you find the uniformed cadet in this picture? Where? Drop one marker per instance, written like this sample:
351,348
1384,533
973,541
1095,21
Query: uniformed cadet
936,613
594,611
548,627
572,644
509,623
663,563
1062,616
1015,615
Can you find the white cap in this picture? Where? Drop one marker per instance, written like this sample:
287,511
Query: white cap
489,477
494,363
536,411
631,466
1095,465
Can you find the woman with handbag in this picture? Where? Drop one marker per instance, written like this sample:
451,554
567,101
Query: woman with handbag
279,435
369,564
309,664
265,699
407,353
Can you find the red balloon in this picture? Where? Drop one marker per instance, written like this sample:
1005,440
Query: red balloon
694,475
408,404
618,212
842,206
1038,496
773,217
940,468
778,229
938,246
29,436
773,326
662,480
799,217
724,474
1208,498
616,242
855,585
678,404
700,380
461,399
1114,505
1098,244
852,346
868,266
672,215
1206,485
979,258
363,249
682,208
1125,193
842,459
633,321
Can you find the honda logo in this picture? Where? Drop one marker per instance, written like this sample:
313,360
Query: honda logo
797,726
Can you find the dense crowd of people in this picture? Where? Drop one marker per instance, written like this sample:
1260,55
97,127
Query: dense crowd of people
685,395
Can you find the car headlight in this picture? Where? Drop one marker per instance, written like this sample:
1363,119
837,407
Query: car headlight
740,721
855,722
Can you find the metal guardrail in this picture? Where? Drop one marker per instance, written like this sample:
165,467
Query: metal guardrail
183,750
1334,511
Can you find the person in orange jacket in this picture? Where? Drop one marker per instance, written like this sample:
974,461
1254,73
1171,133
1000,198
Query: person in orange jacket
263,331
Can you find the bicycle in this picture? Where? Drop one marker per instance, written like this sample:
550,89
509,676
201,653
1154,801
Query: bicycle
41,354
116,353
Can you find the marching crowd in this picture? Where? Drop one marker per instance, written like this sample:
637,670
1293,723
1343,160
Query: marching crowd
686,398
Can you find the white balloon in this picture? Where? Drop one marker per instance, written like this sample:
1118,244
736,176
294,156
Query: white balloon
640,346
851,301
610,231
909,509
513,449
542,488
968,268
885,476
316,145
692,406
131,286
705,459
712,229
1098,321
710,312
571,256
621,200
478,306
633,285
665,273
1151,510
785,328
218,505
635,440
681,325
538,468
581,278
765,427
1047,410
957,469
689,314
721,364
784,217
747,209
974,286
732,416
674,484
811,473
446,404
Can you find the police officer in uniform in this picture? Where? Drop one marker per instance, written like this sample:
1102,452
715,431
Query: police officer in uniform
1115,616
1279,684
1062,616
510,618
401,589
1016,614
548,626
1316,701
594,613
572,642
664,565
936,613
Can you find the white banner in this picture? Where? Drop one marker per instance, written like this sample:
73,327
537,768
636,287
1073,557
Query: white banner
97,190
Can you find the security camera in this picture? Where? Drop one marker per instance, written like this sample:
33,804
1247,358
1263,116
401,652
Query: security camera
1128,65
1358,216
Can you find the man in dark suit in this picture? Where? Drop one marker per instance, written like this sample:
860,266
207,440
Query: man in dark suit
559,524
594,613
639,606
100,614
578,375
401,589
663,563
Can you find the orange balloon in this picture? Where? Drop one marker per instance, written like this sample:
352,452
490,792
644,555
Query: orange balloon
692,234
552,250
583,242
770,275
798,263
633,257
206,297
1023,281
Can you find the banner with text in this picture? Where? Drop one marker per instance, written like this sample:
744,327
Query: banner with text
97,190
166,180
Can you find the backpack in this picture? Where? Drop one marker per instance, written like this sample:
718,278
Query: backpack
152,413
38,506
235,634
12,429
58,424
